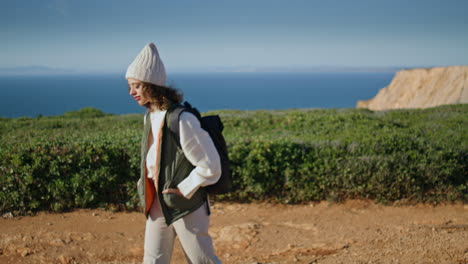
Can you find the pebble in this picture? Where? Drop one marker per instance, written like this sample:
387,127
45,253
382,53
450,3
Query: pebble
7,216
68,240
64,259
136,251
27,238
57,242
24,251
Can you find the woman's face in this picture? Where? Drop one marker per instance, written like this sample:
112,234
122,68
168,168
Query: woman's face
135,89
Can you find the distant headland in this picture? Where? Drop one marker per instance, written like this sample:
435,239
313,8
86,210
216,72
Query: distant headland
422,88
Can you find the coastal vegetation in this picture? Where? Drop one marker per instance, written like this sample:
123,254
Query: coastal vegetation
88,158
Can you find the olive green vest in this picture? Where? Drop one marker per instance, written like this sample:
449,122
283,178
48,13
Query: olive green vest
174,167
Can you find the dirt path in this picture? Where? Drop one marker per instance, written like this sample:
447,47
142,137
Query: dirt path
353,232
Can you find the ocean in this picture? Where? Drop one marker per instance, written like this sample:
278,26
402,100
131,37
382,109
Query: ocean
30,96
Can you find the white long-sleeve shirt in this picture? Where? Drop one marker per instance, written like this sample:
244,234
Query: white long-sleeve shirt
198,148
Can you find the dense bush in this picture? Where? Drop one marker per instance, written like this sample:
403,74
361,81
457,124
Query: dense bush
86,113
90,159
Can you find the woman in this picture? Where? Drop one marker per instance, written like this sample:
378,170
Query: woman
173,169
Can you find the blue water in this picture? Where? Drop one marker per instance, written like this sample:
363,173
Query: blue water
54,95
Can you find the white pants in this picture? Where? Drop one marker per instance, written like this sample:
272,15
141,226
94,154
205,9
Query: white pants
192,231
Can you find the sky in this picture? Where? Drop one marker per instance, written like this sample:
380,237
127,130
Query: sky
193,35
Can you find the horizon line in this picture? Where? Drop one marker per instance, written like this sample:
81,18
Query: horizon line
34,70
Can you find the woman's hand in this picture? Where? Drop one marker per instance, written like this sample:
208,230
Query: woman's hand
173,190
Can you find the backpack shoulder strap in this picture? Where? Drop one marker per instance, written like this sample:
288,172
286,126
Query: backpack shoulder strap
173,116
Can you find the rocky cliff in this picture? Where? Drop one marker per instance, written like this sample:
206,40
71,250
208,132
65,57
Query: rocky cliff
421,88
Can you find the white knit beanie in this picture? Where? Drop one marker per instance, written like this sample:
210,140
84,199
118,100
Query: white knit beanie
148,66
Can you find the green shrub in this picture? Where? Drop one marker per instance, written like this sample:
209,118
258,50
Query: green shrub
85,113
90,159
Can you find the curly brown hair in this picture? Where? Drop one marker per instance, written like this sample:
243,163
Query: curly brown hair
161,97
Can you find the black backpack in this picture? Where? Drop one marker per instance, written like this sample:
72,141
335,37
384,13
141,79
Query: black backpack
214,126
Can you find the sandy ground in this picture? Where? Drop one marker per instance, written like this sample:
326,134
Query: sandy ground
353,232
